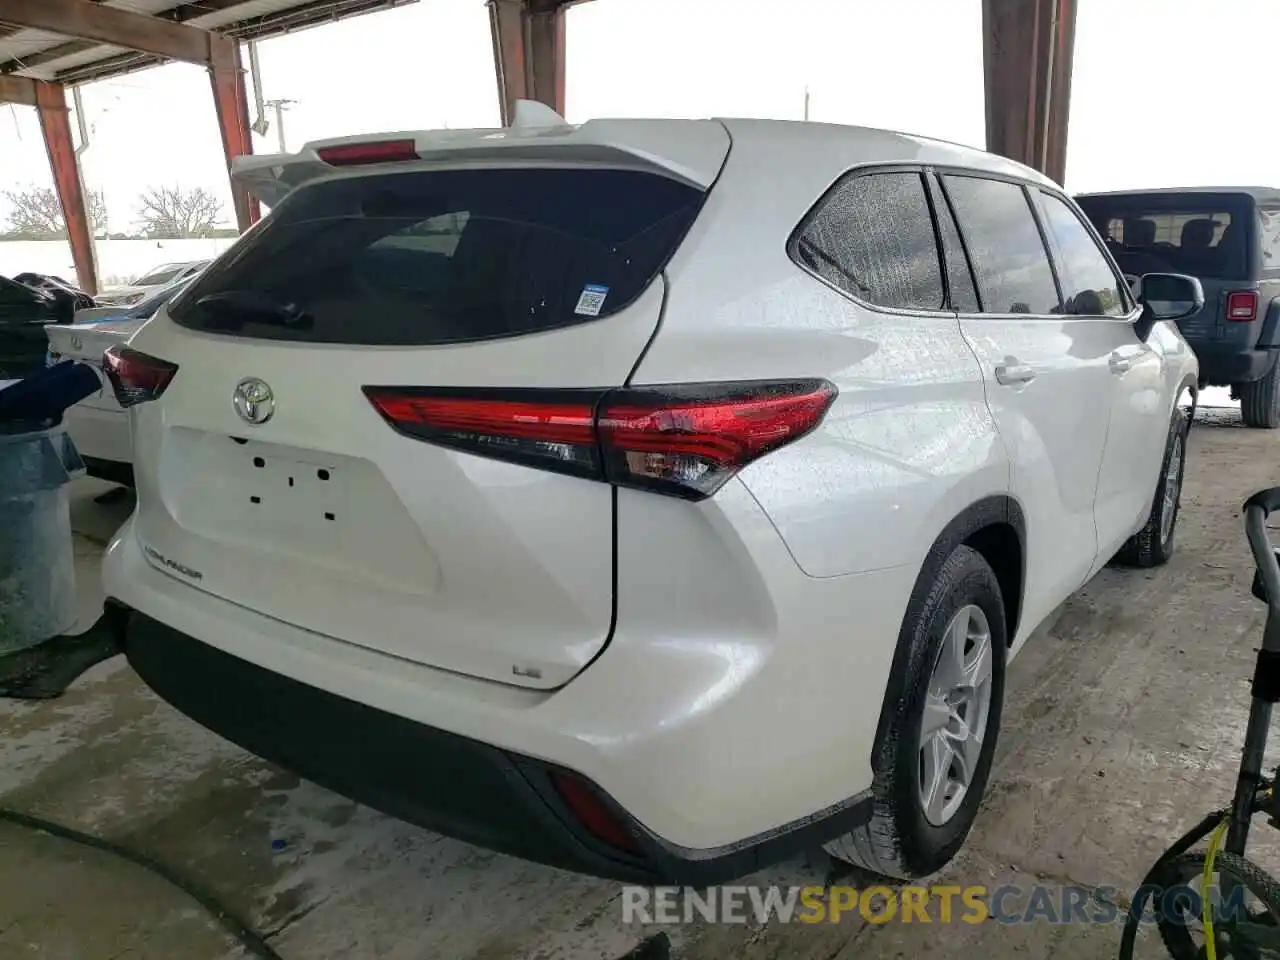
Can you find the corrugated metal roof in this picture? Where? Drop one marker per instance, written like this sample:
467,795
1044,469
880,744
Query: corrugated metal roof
50,56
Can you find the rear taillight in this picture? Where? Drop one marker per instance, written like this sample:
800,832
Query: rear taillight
685,440
688,441
354,154
1242,305
533,427
136,377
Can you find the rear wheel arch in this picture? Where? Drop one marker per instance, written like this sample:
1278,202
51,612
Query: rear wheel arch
996,528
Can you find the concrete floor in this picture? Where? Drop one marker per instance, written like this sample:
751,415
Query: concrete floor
1122,728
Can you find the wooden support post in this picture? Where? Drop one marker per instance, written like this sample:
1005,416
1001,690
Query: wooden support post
232,106
55,123
528,53
1028,47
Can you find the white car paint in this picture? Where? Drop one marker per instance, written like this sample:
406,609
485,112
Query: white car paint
717,667
98,425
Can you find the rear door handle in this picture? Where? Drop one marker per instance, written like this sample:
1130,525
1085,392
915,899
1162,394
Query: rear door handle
1120,363
1009,374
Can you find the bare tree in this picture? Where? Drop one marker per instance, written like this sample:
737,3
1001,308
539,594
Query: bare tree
36,214
170,213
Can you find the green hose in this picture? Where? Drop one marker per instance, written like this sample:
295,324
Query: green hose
1129,937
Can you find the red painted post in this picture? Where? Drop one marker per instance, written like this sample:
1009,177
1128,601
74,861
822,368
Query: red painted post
1060,90
545,43
1028,47
232,106
528,52
55,123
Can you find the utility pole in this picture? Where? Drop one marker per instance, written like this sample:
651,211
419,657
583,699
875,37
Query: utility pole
279,107
806,103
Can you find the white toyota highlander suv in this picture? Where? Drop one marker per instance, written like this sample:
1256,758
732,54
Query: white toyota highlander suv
649,498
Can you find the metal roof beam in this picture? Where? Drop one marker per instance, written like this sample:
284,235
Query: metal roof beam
83,20
181,14
18,90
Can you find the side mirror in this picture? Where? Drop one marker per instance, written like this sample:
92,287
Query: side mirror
1171,296
1167,296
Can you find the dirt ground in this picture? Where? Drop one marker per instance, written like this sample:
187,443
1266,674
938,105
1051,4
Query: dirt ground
1122,728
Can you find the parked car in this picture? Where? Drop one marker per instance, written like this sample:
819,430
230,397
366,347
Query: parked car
1229,237
616,499
98,425
59,288
25,307
149,282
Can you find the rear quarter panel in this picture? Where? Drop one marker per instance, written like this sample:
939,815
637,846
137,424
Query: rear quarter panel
909,442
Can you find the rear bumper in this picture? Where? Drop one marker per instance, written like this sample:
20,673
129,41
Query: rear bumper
1223,366
452,784
712,736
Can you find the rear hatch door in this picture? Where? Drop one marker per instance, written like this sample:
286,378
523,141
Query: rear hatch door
463,271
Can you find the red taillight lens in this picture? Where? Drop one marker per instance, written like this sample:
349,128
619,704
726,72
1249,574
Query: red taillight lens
1242,305
684,440
537,428
136,377
589,810
354,154
688,441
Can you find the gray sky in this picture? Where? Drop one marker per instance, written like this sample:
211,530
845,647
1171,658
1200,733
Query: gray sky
1165,92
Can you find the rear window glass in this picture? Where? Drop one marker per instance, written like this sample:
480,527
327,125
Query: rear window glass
445,256
1175,234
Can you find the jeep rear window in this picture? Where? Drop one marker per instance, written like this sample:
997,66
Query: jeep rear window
1202,235
452,256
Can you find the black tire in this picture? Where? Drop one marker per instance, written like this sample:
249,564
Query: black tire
898,841
1151,546
1181,930
1260,401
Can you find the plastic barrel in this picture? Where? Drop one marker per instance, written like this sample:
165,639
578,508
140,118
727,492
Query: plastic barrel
37,566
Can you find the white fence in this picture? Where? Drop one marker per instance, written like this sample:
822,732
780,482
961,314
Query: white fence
119,261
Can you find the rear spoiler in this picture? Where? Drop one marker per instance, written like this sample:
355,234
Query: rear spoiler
691,151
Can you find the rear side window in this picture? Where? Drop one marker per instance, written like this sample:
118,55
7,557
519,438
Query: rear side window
964,298
1205,235
872,236
1089,285
452,256
1005,246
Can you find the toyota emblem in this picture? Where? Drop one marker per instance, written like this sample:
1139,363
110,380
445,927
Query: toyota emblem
254,400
